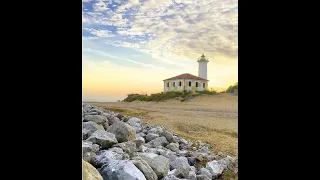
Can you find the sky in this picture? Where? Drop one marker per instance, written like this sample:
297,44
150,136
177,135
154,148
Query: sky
131,46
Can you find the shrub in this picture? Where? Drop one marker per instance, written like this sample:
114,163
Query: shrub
207,92
156,97
232,88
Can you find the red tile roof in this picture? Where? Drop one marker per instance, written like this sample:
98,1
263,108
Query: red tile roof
186,76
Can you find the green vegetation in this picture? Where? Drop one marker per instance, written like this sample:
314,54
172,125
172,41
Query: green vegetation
206,92
157,97
183,95
232,88
228,175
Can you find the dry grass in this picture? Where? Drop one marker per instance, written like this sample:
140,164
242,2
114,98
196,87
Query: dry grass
211,119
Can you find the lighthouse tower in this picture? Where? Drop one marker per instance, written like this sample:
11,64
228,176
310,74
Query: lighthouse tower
202,71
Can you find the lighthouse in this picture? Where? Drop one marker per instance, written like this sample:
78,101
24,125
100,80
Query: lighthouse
202,71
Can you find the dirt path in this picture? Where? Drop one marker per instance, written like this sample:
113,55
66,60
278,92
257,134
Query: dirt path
211,119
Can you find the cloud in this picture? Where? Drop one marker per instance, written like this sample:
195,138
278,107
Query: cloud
99,33
100,6
125,59
175,32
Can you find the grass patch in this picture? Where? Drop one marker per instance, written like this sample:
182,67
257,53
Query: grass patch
200,164
159,96
131,112
206,92
228,175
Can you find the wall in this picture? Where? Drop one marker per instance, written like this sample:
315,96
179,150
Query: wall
203,70
184,85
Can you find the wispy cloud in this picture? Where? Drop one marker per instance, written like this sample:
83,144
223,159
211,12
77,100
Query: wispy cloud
184,28
160,35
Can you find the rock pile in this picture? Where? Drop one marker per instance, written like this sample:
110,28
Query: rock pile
116,146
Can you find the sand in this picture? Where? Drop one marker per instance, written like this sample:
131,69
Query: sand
210,118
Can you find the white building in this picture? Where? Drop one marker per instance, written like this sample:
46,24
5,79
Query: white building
189,82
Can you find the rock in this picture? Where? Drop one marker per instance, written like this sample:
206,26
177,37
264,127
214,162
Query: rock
143,166
151,136
215,168
140,139
170,177
176,162
167,154
172,172
122,131
173,147
89,172
137,127
204,149
96,110
169,136
90,113
152,150
121,170
104,157
135,123
139,142
86,107
86,146
87,152
84,134
128,147
90,127
103,138
176,139
183,141
158,163
191,161
192,168
192,175
105,125
125,119
88,156
112,119
141,135
159,130
145,131
119,115
118,152
133,120
126,156
184,153
95,118
143,148
95,148
152,130
182,167
228,162
202,177
206,172
160,141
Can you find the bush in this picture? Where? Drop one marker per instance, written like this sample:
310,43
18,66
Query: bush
156,97
207,92
232,88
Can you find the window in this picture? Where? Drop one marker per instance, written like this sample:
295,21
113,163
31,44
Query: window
180,83
167,84
189,83
204,85
196,84
174,84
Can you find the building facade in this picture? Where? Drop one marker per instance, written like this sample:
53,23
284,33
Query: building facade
189,82
185,82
